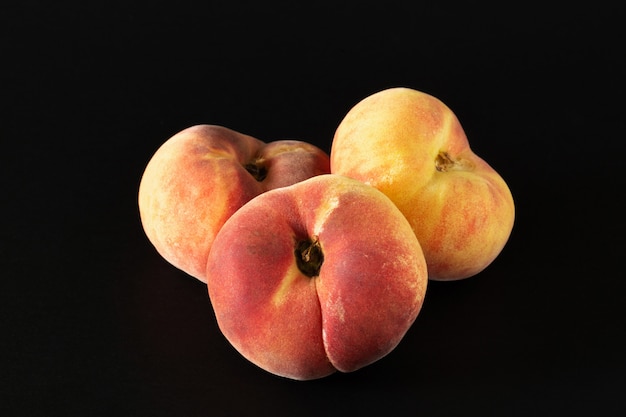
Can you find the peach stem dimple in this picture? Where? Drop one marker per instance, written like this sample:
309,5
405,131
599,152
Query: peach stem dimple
257,169
444,163
309,257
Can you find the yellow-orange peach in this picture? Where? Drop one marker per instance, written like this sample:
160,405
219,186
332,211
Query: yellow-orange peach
199,177
320,276
411,146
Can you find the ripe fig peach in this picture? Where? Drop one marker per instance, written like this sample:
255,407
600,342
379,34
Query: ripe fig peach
320,276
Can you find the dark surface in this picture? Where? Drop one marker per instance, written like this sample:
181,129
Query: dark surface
93,322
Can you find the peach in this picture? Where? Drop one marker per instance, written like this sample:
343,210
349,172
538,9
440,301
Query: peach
411,146
320,276
199,177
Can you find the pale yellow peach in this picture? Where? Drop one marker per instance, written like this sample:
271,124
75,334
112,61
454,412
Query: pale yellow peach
411,146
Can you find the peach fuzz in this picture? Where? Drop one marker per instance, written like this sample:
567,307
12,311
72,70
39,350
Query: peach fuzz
200,176
320,276
411,146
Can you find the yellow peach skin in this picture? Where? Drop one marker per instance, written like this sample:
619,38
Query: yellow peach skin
199,177
320,276
411,146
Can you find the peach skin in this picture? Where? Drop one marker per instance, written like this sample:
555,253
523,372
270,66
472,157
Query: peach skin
320,276
199,177
411,146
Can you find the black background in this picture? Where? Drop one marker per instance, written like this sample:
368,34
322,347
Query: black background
94,322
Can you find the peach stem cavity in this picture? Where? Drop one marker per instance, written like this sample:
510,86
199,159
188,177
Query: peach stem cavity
309,257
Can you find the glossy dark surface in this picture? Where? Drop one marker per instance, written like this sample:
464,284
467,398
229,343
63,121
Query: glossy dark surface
94,322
